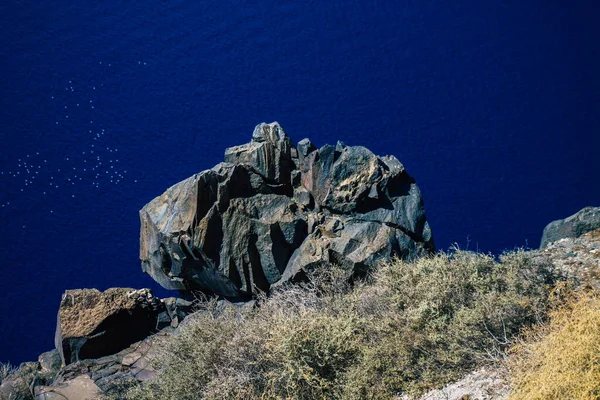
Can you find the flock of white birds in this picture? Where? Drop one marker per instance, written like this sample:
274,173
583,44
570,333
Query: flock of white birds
95,162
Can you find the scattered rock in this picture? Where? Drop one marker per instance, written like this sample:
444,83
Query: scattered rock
176,309
586,220
262,217
105,341
107,375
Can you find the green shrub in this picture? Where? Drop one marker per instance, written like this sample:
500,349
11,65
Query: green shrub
409,327
443,316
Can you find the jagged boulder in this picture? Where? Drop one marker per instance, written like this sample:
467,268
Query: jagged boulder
93,324
274,211
353,244
586,220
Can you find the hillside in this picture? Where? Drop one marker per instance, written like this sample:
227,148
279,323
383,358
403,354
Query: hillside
307,273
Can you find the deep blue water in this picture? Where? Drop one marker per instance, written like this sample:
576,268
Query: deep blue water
493,106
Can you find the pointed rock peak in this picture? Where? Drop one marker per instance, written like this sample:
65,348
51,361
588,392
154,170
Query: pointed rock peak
272,133
340,146
269,153
305,147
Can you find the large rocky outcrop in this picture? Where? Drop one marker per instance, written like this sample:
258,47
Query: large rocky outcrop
273,211
586,220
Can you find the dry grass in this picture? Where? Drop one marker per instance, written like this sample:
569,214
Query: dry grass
561,359
5,370
409,328
21,379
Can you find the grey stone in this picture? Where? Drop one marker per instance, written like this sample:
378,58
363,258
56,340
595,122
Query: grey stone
143,374
106,371
18,383
405,212
305,147
116,383
163,320
584,221
263,217
350,179
176,309
88,378
260,234
355,245
303,197
182,230
296,178
269,152
80,388
50,361
576,259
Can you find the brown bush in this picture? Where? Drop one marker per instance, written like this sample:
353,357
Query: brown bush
561,359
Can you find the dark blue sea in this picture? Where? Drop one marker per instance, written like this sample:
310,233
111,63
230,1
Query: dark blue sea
493,106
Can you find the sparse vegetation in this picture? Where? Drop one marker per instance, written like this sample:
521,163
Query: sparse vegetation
406,329
5,370
21,380
561,359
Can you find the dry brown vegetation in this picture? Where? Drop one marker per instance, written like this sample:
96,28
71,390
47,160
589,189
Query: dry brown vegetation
561,359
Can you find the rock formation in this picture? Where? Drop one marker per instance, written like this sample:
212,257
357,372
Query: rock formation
109,371
94,324
273,212
270,214
586,220
578,259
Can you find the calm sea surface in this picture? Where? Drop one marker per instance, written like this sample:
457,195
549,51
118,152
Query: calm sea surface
493,106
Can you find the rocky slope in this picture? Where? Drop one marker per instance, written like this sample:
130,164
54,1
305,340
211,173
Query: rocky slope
586,220
269,215
572,245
